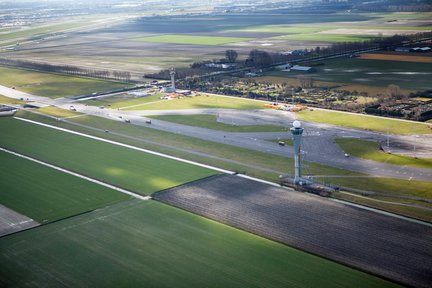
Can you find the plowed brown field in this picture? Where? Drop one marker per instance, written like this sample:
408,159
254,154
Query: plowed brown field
397,57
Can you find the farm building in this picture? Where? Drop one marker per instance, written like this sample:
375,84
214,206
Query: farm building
284,67
402,49
421,49
306,69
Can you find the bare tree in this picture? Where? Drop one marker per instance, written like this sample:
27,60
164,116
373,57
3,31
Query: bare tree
305,81
231,55
393,91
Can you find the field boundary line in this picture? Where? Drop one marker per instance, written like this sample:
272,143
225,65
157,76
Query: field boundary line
383,212
127,146
77,175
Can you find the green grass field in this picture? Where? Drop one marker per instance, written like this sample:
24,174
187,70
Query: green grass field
58,112
53,85
120,101
190,39
359,121
201,102
45,194
154,245
140,172
11,101
210,122
394,205
321,37
386,185
370,150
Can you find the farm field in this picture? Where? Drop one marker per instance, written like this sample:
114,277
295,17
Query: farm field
359,121
45,194
53,85
409,75
322,37
140,172
370,150
210,122
168,247
191,39
397,57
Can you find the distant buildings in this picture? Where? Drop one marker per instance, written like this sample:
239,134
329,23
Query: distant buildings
289,67
413,49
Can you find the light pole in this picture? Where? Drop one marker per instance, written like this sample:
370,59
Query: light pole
297,132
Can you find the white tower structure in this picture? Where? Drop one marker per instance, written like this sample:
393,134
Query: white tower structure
172,74
297,132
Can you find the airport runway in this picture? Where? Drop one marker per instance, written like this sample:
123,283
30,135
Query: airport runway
318,141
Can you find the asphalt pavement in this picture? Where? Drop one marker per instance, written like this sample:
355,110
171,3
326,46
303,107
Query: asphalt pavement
318,141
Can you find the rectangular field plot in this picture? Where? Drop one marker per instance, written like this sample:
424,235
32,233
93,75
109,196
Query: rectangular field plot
409,75
148,244
53,85
194,40
383,245
45,194
120,166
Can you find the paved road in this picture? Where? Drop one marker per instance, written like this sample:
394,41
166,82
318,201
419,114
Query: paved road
318,143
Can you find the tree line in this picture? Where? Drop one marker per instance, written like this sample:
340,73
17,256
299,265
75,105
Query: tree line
68,69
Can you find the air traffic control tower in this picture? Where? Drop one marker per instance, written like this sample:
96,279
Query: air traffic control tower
297,132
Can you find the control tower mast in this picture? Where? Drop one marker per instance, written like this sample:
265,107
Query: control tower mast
297,132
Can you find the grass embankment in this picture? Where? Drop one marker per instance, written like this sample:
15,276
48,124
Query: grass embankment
358,121
190,39
53,85
159,246
371,150
140,172
412,208
210,122
394,205
45,194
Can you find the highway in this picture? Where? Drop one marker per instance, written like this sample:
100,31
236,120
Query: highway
318,141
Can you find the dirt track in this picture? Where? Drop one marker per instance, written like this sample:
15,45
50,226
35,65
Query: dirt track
383,245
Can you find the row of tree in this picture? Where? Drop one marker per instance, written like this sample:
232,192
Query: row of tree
68,69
